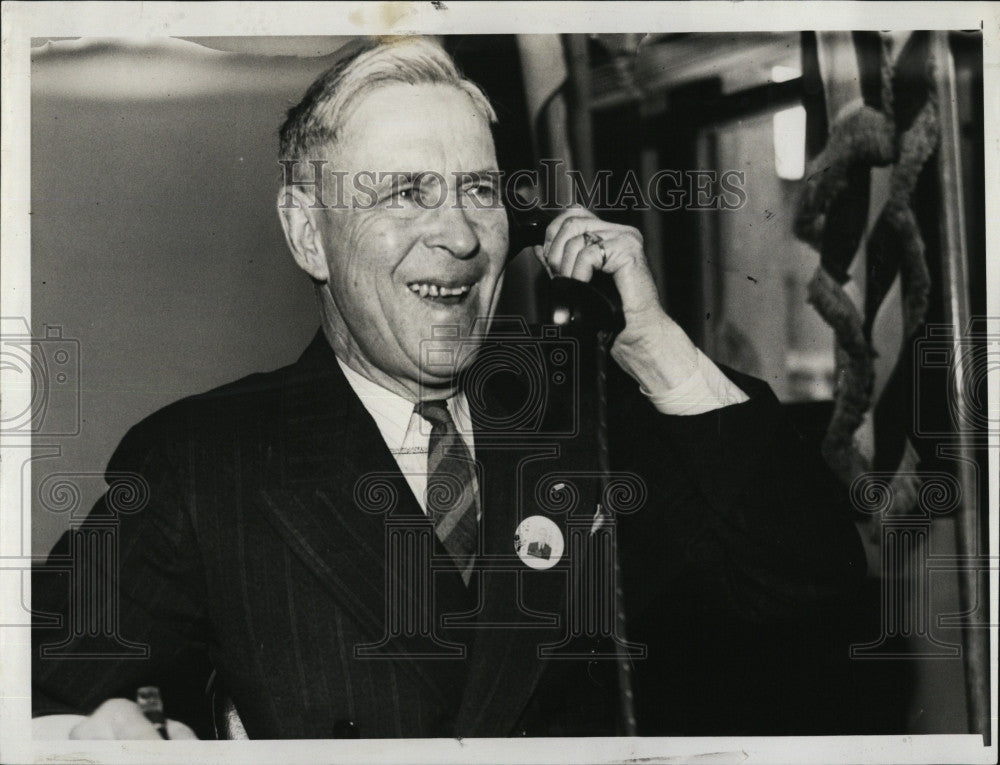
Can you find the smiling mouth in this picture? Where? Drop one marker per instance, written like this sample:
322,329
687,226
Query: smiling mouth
437,292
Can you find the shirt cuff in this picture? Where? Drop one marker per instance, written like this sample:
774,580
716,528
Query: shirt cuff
706,389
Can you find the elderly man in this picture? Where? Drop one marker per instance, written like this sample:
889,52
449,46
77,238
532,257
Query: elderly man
265,555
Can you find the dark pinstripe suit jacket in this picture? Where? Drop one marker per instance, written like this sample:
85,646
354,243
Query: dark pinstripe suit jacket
262,553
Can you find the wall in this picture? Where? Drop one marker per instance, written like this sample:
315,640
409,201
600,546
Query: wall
155,243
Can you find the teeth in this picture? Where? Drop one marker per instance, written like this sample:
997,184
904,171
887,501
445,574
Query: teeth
433,290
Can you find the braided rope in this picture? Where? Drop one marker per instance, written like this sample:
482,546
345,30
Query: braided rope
860,138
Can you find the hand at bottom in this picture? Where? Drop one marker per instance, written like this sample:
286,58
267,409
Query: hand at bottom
122,720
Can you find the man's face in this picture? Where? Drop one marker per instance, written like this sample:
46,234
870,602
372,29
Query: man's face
410,257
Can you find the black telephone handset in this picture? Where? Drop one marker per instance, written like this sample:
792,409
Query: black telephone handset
591,310
594,305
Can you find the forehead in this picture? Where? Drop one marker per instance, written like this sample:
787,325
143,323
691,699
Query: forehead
416,127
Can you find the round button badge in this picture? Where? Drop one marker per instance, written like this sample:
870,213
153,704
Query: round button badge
538,542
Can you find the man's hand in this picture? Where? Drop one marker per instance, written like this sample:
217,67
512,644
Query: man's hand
122,720
652,348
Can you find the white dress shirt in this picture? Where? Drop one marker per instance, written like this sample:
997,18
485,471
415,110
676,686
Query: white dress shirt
405,432
706,389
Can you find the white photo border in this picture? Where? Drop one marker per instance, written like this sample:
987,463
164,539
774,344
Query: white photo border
23,21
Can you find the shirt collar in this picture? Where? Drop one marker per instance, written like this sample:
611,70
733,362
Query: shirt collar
399,425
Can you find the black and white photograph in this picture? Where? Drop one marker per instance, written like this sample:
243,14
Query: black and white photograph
489,382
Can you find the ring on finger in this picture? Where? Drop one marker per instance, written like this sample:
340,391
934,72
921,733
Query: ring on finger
590,239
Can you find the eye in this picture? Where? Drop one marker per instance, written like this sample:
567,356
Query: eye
484,192
402,195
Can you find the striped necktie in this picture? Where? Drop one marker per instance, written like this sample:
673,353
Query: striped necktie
452,502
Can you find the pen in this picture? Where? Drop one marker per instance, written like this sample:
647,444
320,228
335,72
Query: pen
148,698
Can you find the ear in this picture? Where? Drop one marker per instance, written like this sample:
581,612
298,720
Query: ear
301,232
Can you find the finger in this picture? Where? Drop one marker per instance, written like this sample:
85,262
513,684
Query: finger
539,252
178,730
117,719
592,239
587,261
571,239
558,224
605,255
572,211
631,274
570,252
569,227
54,727
92,730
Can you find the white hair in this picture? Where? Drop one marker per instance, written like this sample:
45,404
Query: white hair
313,124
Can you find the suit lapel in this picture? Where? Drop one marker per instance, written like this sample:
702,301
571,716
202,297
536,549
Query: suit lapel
331,488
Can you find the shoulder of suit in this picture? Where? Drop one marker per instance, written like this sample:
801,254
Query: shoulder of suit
216,415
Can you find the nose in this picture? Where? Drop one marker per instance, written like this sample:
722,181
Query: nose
451,228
